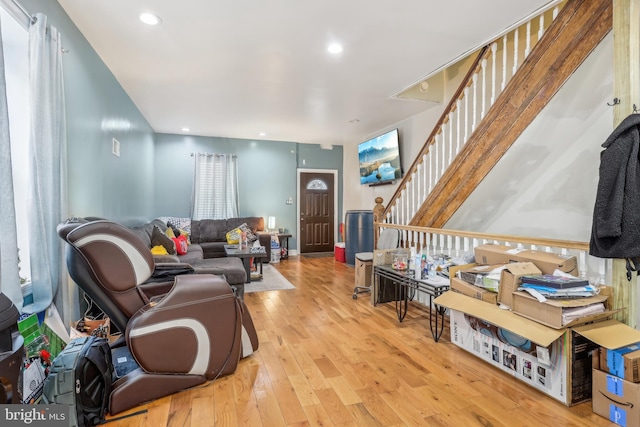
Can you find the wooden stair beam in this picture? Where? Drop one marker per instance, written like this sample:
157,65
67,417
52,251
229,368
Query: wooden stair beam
577,30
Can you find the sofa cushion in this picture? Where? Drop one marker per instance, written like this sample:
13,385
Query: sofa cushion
254,223
230,267
194,253
144,233
213,249
209,230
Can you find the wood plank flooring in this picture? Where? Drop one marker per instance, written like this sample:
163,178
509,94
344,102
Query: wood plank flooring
328,360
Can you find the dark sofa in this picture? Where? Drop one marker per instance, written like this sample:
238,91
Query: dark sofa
206,251
211,234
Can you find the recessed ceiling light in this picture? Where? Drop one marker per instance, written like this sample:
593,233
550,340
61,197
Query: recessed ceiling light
150,19
334,48
185,129
262,134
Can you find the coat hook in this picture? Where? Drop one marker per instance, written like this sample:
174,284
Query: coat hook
616,101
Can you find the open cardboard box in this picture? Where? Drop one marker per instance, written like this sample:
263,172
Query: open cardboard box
557,362
614,396
473,291
618,353
510,280
623,362
550,312
478,275
547,262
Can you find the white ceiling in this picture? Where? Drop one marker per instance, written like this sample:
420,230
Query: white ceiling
238,68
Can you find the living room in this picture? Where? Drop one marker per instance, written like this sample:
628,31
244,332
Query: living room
152,175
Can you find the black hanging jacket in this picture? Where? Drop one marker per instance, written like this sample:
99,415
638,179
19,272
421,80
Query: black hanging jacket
615,232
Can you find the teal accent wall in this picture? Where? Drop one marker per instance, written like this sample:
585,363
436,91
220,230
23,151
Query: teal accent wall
313,156
153,175
98,110
267,174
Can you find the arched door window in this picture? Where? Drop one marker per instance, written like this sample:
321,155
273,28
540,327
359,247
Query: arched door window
317,184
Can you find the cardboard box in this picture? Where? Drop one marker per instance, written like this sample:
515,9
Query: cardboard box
479,275
510,280
473,291
453,269
616,399
550,312
618,353
547,262
622,362
556,362
363,272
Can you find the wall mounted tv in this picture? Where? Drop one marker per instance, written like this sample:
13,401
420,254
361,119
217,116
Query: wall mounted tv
379,159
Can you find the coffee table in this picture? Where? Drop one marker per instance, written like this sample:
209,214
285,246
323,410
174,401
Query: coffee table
245,255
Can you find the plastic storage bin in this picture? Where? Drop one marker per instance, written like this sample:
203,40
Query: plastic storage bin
359,234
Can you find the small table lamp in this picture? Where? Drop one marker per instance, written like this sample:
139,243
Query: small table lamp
271,223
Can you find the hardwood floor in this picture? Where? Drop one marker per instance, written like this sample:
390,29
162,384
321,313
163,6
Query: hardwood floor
328,360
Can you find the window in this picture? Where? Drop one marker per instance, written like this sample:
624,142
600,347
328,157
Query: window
215,186
317,184
16,56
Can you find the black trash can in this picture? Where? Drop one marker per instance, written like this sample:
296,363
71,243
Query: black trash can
358,234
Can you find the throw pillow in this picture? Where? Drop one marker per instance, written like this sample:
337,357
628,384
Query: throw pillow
158,237
170,233
251,236
181,244
233,236
159,250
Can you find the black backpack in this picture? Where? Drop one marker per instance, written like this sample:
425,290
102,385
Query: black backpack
82,376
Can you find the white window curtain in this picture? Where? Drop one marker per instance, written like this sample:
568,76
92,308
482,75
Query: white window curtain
47,164
9,274
215,186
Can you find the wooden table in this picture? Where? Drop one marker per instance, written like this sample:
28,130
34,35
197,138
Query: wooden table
406,286
245,255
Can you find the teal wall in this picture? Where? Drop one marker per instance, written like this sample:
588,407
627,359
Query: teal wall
267,174
98,110
153,175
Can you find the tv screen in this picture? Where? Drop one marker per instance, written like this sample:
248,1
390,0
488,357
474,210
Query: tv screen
379,159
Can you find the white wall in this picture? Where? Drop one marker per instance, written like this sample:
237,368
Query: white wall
413,133
545,185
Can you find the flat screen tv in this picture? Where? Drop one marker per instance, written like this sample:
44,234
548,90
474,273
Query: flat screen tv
379,159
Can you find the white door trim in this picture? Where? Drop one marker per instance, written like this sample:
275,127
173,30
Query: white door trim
335,202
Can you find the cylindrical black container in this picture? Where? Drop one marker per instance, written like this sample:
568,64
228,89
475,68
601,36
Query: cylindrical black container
358,234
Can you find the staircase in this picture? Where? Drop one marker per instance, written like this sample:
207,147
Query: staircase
508,85
511,80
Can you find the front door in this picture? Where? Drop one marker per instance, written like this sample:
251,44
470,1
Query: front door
316,212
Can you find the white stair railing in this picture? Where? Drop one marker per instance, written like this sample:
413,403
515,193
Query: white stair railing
499,62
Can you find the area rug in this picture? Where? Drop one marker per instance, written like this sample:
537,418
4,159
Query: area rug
272,280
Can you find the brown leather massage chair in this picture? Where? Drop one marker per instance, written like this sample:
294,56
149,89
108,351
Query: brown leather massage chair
182,329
